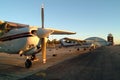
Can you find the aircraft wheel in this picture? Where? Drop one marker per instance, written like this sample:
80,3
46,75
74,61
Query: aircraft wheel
28,63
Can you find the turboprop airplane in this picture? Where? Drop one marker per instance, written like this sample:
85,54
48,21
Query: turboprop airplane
22,39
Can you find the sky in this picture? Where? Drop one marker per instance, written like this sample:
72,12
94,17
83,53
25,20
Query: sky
88,18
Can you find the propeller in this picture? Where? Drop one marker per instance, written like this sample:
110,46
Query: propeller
43,33
43,40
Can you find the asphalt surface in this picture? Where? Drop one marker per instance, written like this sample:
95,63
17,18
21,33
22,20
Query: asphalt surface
12,65
100,64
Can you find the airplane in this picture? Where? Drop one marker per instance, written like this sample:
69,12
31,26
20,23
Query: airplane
68,42
22,39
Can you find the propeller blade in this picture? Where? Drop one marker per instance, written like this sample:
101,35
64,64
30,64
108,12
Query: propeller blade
44,41
42,15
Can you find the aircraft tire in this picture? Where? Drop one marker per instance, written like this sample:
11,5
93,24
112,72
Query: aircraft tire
28,63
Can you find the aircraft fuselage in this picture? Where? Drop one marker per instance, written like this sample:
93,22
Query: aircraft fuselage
17,40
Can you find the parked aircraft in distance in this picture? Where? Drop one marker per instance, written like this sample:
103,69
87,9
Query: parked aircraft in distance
67,42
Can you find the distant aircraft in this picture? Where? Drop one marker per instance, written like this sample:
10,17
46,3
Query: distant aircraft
22,39
67,42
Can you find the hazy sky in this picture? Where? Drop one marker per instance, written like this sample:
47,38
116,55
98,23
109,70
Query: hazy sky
89,18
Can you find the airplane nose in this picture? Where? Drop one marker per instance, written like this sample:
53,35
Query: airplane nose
42,32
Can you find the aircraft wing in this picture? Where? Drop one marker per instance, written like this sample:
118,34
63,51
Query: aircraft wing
60,32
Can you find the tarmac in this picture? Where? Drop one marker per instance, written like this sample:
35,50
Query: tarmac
100,64
12,65
67,64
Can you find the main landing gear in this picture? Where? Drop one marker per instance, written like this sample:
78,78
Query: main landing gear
28,62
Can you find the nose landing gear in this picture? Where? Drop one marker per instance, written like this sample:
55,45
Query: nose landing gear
28,62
